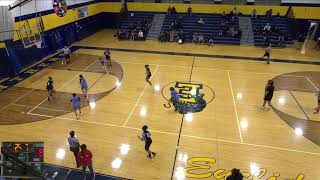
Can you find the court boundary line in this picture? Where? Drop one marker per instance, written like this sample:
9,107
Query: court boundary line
137,102
243,58
176,134
50,109
214,69
235,107
299,105
312,83
65,84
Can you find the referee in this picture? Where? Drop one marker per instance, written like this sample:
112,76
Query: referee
66,53
74,146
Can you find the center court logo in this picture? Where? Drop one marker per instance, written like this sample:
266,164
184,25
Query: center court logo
191,96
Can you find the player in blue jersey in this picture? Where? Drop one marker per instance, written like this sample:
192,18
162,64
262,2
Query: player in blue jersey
76,104
84,86
146,137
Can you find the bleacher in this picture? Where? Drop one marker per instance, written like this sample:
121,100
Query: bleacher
280,22
136,18
211,27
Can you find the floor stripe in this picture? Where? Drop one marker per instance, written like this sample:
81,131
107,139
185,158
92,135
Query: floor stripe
176,134
299,105
50,109
135,105
202,55
235,107
312,83
213,69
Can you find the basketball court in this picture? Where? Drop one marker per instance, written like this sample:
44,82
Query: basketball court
231,131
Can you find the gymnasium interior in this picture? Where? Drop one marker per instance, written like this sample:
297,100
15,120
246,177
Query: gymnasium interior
218,55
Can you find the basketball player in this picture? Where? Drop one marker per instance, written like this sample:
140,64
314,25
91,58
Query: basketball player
50,88
84,86
108,57
103,62
268,94
66,53
267,53
174,98
148,73
316,110
146,137
76,104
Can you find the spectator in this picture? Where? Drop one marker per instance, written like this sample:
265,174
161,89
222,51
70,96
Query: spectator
200,21
200,39
85,159
161,37
281,38
173,11
180,36
132,35
267,28
189,11
140,35
269,13
194,38
318,44
224,15
169,11
254,14
235,175
231,31
234,11
172,35
211,41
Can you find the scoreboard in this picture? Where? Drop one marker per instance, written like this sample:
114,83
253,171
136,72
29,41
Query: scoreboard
22,159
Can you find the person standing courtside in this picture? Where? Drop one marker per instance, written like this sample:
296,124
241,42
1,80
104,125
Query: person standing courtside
50,88
268,53
85,159
67,54
268,94
148,74
74,146
146,137
107,55
316,110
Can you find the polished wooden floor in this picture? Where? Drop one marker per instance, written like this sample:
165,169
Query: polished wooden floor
232,131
